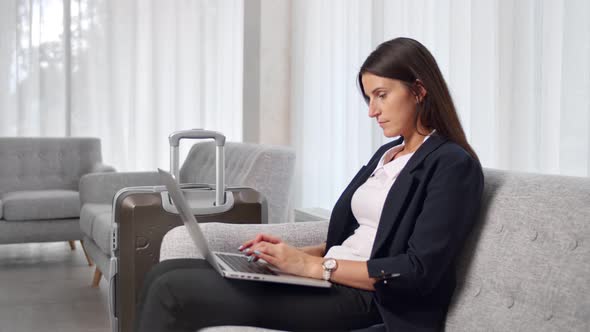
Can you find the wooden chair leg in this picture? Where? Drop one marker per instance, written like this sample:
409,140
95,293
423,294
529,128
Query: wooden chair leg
72,245
86,254
97,276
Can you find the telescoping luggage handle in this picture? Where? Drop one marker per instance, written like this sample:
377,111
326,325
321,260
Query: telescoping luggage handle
219,138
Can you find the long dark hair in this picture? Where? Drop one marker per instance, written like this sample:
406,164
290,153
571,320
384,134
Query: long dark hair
407,60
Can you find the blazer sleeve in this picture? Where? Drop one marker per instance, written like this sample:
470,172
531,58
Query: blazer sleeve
451,207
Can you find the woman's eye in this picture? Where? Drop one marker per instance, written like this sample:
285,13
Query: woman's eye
381,96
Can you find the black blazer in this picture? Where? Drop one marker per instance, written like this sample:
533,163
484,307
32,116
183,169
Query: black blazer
428,213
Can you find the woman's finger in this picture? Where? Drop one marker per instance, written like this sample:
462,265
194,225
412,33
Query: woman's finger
268,248
246,245
262,237
259,238
258,246
271,238
250,243
268,258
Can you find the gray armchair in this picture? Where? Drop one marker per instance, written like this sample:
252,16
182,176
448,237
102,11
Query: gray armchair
268,169
39,198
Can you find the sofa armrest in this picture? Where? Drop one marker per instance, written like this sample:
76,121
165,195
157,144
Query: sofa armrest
102,168
101,187
228,237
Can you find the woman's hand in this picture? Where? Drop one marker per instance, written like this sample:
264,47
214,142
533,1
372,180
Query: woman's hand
246,246
306,261
318,250
288,259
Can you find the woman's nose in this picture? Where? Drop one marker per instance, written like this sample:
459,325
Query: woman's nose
373,111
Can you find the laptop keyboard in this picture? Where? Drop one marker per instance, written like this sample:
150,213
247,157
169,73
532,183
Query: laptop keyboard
241,264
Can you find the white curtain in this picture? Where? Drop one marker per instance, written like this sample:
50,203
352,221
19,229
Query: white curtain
127,71
32,73
331,132
519,73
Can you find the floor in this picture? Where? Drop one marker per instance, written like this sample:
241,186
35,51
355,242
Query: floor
46,287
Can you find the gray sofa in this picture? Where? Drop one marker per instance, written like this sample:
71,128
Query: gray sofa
39,199
268,169
526,265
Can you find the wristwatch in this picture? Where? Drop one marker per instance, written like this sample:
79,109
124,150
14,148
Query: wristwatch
330,265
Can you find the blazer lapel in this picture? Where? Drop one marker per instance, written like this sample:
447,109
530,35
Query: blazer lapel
365,171
431,144
395,200
399,194
342,222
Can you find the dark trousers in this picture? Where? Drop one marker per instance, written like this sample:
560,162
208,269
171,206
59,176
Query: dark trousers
188,294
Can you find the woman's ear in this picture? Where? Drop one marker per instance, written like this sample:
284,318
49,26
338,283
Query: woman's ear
420,91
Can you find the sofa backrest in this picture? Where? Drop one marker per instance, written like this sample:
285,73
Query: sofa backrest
526,266
268,169
37,163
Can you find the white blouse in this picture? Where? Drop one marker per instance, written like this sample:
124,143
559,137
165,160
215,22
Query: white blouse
367,205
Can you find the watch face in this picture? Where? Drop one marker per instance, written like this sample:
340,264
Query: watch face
330,264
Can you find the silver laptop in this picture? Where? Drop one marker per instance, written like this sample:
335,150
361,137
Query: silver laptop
229,265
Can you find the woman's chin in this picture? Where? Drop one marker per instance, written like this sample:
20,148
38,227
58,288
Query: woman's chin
390,133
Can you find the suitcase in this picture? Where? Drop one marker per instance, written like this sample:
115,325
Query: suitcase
143,215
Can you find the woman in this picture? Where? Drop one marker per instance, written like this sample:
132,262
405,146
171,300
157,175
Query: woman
394,233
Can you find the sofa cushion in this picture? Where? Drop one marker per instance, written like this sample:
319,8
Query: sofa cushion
40,204
95,222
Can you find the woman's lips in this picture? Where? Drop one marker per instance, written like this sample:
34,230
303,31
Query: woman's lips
381,123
